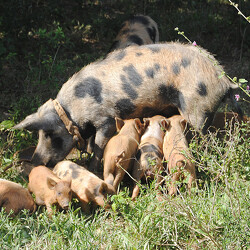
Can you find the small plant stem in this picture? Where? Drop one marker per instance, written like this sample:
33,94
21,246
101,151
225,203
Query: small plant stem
239,12
54,60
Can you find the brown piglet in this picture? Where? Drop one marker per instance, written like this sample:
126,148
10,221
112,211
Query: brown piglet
176,152
14,197
149,157
49,189
85,185
121,149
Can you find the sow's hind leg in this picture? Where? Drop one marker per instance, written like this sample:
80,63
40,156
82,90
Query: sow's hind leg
103,134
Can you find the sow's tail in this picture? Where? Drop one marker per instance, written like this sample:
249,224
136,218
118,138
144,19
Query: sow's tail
230,95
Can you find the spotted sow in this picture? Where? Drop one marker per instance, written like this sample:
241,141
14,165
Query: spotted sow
149,77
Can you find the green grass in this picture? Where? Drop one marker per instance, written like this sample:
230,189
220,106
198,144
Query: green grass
38,56
215,215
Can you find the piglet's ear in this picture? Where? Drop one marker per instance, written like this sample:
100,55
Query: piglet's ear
183,123
165,123
103,188
146,122
119,123
68,179
51,183
138,125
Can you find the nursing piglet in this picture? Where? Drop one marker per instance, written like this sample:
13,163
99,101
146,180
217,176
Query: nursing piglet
121,149
176,152
149,157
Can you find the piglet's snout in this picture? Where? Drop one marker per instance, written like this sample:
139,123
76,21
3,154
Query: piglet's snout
65,204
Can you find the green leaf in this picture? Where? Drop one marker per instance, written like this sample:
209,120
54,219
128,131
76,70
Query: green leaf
7,124
241,80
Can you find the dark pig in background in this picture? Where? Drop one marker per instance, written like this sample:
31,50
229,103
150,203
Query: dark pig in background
127,84
138,30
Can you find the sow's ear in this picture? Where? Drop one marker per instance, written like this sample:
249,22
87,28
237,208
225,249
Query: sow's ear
31,122
45,118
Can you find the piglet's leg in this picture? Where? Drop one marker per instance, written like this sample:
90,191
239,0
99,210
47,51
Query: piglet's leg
137,174
49,209
135,193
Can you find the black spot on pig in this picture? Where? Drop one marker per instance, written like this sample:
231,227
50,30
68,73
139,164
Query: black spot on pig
185,62
57,142
129,90
124,107
108,127
157,67
154,49
96,190
151,33
176,68
202,89
169,94
87,130
150,148
91,86
135,39
120,55
75,172
150,72
149,153
132,75
65,174
140,19
139,54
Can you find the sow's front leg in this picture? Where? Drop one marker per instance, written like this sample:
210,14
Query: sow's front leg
103,134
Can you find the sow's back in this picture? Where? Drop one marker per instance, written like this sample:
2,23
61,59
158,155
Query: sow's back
133,81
